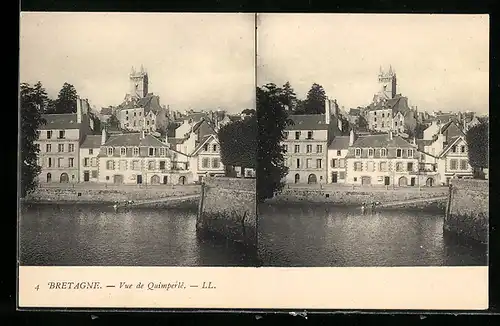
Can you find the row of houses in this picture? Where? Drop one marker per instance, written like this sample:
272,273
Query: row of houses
317,152
71,152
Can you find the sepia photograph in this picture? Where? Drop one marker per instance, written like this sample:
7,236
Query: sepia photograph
138,139
376,131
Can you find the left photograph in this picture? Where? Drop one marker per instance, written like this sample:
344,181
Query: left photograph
137,140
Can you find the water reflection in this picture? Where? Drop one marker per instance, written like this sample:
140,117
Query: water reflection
83,235
320,235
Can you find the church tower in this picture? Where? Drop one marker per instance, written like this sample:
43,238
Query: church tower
387,82
138,83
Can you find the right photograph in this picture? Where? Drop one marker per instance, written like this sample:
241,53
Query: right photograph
373,140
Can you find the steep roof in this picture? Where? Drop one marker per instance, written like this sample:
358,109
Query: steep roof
150,102
91,141
203,141
339,142
307,122
381,141
175,141
60,121
451,142
134,139
354,112
396,104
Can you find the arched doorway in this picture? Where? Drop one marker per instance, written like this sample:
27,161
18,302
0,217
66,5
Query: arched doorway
297,178
49,177
312,179
182,180
403,182
155,180
118,178
165,180
429,182
64,178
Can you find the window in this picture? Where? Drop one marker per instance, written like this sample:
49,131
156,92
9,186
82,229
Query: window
162,151
37,147
140,113
61,134
296,148
147,123
462,149
285,148
297,135
399,153
135,114
135,123
71,162
383,152
342,175
136,151
308,163
319,149
49,134
383,166
409,166
358,151
91,151
86,162
60,148
71,148
214,148
123,165
135,165
309,135
204,162
334,163
94,174
358,166
162,165
355,179
110,151
396,123
410,153
48,148
454,149
341,163
382,125
463,164
110,165
123,151
126,118
151,151
318,163
375,126
453,164
375,119
422,156
298,163
151,165
370,152
374,112
215,163
286,134
93,161
49,162
339,152
59,162
308,148
205,148
383,115
126,112
38,134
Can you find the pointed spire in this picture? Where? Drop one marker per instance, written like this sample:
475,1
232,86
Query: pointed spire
390,70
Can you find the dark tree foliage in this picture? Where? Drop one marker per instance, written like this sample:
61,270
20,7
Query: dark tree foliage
313,104
288,97
113,122
272,120
478,146
362,123
171,126
238,143
97,123
419,131
66,100
32,103
248,111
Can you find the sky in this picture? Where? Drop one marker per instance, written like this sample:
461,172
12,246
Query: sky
199,61
441,61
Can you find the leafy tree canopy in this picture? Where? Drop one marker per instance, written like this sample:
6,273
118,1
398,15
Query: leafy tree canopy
66,100
477,139
238,142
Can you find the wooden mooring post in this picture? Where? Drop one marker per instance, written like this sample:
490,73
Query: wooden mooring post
199,216
448,203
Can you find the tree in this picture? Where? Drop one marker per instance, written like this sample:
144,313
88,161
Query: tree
238,143
248,112
362,123
288,96
113,122
315,100
478,146
66,100
31,119
419,131
272,120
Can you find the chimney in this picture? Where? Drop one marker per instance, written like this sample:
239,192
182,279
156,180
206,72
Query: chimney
103,136
142,134
78,110
327,111
351,137
390,134
339,124
166,138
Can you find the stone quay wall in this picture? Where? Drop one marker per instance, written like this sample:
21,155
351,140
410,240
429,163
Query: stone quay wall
467,214
343,195
228,207
108,194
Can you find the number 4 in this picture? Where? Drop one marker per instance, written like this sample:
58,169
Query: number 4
37,287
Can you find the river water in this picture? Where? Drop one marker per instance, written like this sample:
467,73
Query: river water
90,235
325,236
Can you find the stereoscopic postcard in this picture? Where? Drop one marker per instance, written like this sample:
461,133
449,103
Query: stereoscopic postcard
253,161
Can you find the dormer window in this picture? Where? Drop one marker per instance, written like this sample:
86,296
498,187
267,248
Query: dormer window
136,151
370,152
214,147
309,135
383,152
151,151
399,152
286,134
410,153
205,148
297,135
123,151
358,151
110,151
162,151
